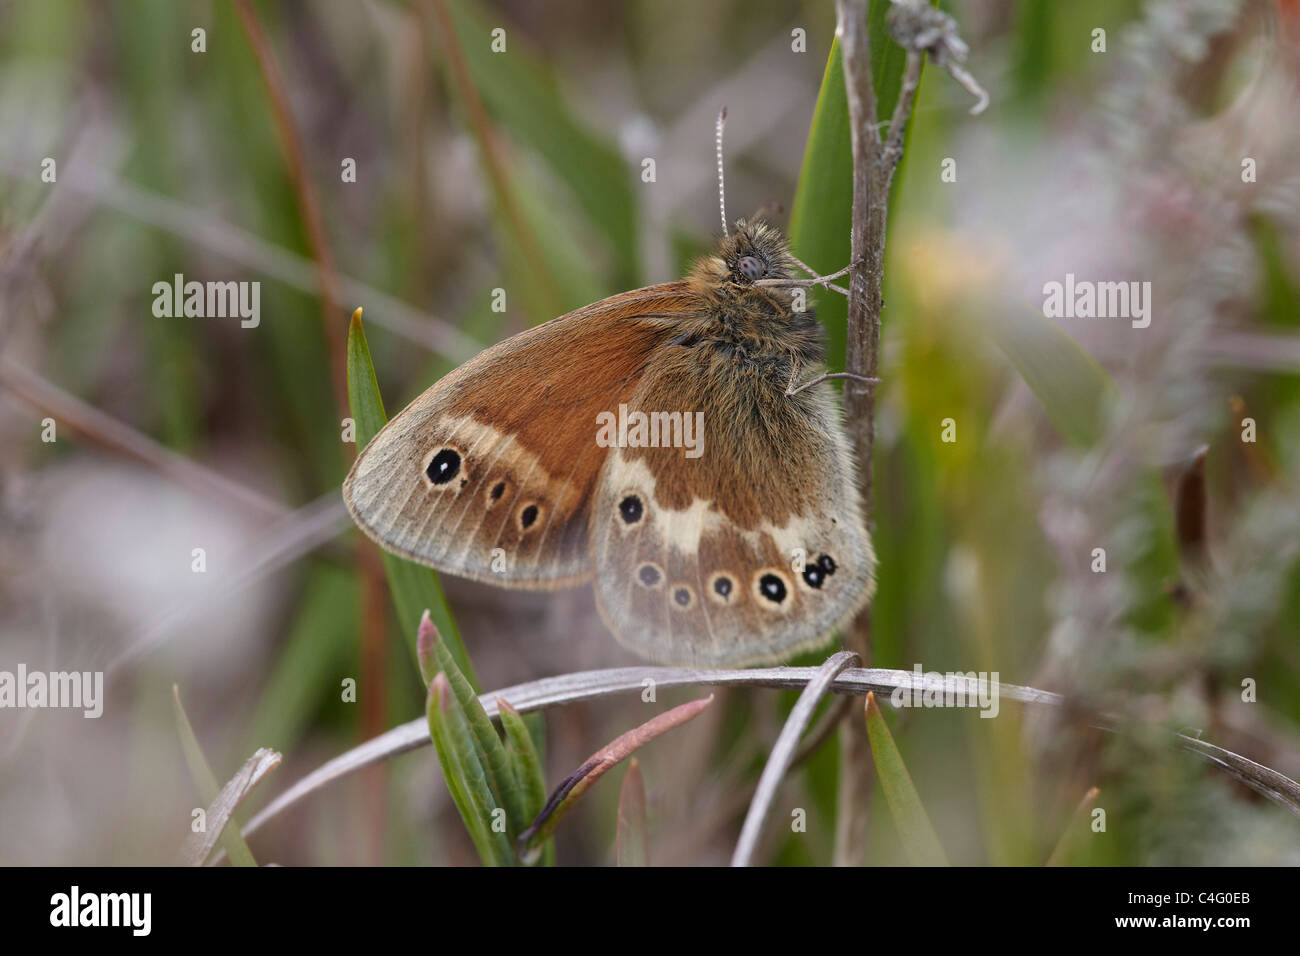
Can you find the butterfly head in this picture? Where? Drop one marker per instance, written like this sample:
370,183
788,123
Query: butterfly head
754,251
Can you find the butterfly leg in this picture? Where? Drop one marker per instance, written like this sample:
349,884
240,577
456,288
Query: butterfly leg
815,280
794,373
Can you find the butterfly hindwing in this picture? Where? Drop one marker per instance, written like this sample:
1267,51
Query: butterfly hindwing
745,554
491,472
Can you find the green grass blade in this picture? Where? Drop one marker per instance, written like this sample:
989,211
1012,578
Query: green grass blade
232,841
498,768
821,217
414,587
520,94
632,845
1072,388
920,842
464,773
528,764
528,768
572,788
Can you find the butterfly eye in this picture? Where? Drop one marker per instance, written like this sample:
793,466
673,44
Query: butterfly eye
750,268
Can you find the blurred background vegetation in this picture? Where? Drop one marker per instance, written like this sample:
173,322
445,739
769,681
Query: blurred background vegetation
522,170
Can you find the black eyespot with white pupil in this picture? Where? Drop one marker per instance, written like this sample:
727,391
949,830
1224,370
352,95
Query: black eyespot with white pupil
827,564
649,575
444,466
722,586
750,267
630,509
682,596
772,588
814,575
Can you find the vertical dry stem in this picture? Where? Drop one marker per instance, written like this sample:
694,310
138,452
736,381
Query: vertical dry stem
874,162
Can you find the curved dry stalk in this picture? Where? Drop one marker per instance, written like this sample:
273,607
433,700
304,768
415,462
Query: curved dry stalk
297,533
589,685
783,752
308,201
205,230
109,433
199,844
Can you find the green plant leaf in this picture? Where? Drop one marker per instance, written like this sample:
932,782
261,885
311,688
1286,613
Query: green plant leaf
523,752
577,783
232,841
463,771
528,767
920,842
1072,388
520,93
632,846
414,587
498,768
321,645
822,214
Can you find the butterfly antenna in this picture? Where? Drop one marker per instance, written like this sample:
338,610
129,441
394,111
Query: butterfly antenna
722,193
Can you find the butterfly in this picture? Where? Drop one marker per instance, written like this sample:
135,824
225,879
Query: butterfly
655,445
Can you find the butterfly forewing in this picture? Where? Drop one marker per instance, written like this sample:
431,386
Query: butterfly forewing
490,474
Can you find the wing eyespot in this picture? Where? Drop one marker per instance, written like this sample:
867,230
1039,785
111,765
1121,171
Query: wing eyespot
631,510
722,589
496,492
816,573
527,515
443,465
814,576
683,597
650,575
772,589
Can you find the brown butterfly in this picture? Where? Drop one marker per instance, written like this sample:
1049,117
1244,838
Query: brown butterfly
655,444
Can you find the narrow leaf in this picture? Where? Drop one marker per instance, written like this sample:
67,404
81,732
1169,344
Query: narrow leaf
521,94
577,783
206,782
1065,379
920,842
528,765
464,774
490,751
413,586
632,847
528,768
1074,827
821,217
221,811
1190,508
